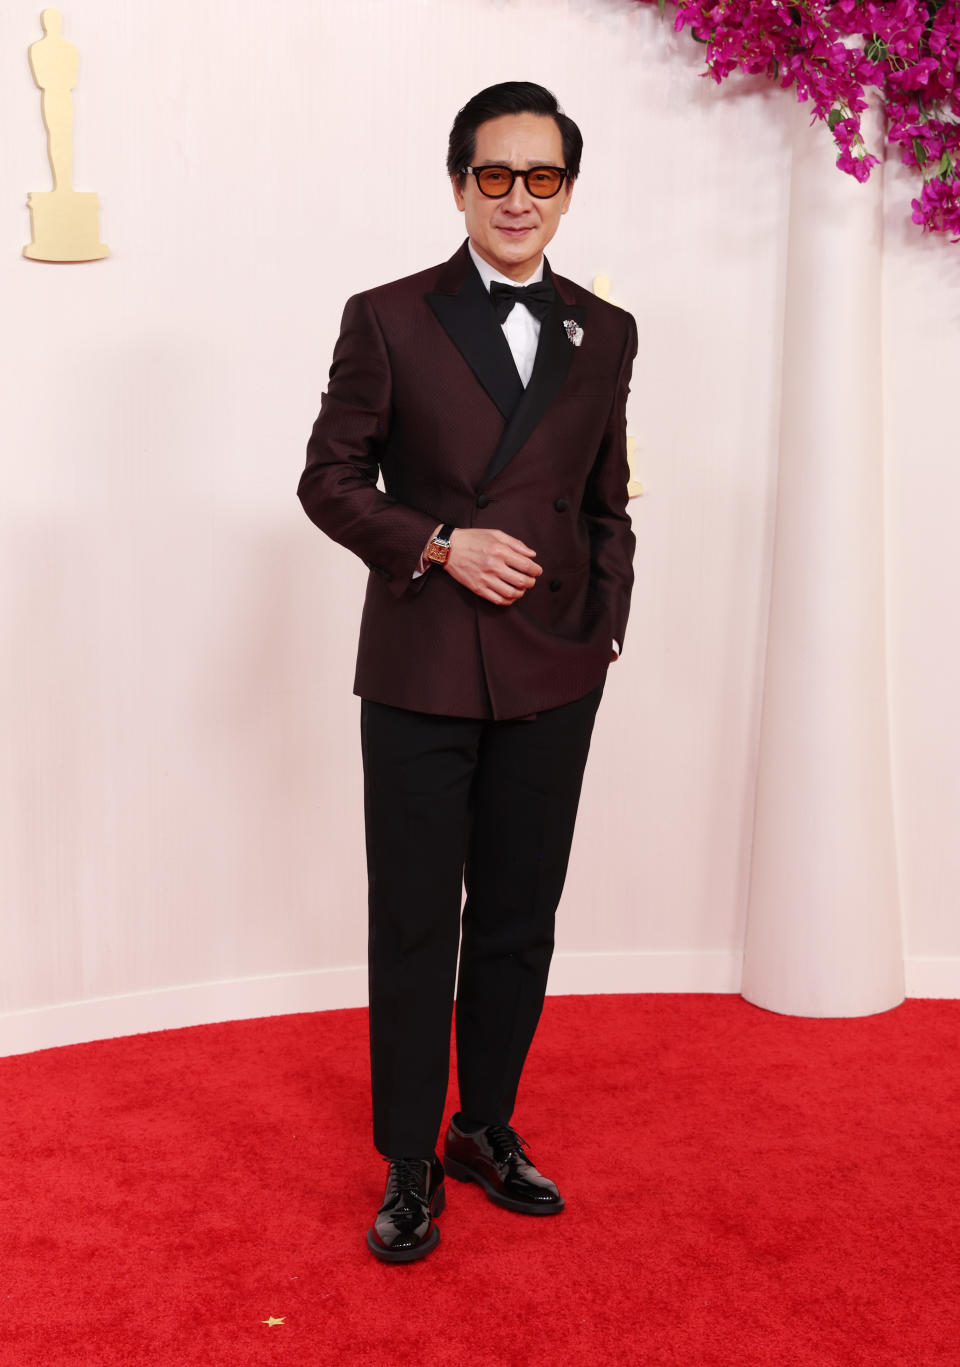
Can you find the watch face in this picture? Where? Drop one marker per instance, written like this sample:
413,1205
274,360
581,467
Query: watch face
438,553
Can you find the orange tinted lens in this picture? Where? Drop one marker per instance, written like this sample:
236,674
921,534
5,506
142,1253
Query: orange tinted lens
494,180
544,181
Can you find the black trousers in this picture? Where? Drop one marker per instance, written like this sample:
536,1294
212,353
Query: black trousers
454,802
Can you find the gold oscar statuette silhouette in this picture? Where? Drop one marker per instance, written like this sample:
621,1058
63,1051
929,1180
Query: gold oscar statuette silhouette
601,288
63,221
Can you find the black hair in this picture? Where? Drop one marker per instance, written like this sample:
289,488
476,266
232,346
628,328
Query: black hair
509,97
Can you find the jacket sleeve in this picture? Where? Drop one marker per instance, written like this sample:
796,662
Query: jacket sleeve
338,487
604,505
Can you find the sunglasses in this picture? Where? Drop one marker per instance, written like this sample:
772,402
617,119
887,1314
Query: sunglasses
496,182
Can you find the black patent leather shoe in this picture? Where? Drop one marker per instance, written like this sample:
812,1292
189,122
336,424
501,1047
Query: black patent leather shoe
495,1158
404,1230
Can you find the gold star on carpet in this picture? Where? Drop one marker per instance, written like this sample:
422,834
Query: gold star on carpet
271,1320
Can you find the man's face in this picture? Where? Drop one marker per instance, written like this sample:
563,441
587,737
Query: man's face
511,233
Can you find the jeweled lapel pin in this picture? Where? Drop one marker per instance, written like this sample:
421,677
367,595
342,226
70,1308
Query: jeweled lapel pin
573,330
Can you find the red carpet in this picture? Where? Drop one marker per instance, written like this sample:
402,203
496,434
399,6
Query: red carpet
742,1188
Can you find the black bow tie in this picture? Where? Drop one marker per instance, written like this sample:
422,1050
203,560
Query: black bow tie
538,298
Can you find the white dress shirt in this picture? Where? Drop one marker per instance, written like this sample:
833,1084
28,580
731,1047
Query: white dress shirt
522,331
520,327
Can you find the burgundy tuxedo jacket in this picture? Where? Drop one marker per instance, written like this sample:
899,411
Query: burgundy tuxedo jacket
423,387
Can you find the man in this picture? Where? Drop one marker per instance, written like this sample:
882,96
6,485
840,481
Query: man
500,559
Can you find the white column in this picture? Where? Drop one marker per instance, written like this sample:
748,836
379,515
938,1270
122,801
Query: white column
823,935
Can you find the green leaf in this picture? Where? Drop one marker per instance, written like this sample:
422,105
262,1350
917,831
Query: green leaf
946,167
661,5
833,118
920,152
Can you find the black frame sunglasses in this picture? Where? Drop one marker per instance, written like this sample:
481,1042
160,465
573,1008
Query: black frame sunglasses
478,171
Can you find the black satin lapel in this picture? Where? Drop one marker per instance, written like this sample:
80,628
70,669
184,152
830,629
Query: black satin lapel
555,354
472,326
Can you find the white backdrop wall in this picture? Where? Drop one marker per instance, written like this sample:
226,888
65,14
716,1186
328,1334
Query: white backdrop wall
180,796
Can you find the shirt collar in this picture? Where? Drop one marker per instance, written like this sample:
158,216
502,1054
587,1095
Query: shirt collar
487,272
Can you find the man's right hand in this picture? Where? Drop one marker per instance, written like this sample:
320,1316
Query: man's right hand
492,564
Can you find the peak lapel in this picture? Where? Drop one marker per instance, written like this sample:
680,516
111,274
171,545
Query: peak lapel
471,324
554,357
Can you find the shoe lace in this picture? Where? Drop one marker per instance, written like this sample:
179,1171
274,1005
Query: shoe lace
504,1141
406,1176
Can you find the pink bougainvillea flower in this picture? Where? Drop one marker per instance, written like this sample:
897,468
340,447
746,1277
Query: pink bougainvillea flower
832,52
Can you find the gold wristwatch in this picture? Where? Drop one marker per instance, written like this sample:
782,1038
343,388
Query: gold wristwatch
438,547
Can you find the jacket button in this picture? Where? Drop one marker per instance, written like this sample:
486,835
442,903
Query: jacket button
561,505
555,584
482,500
